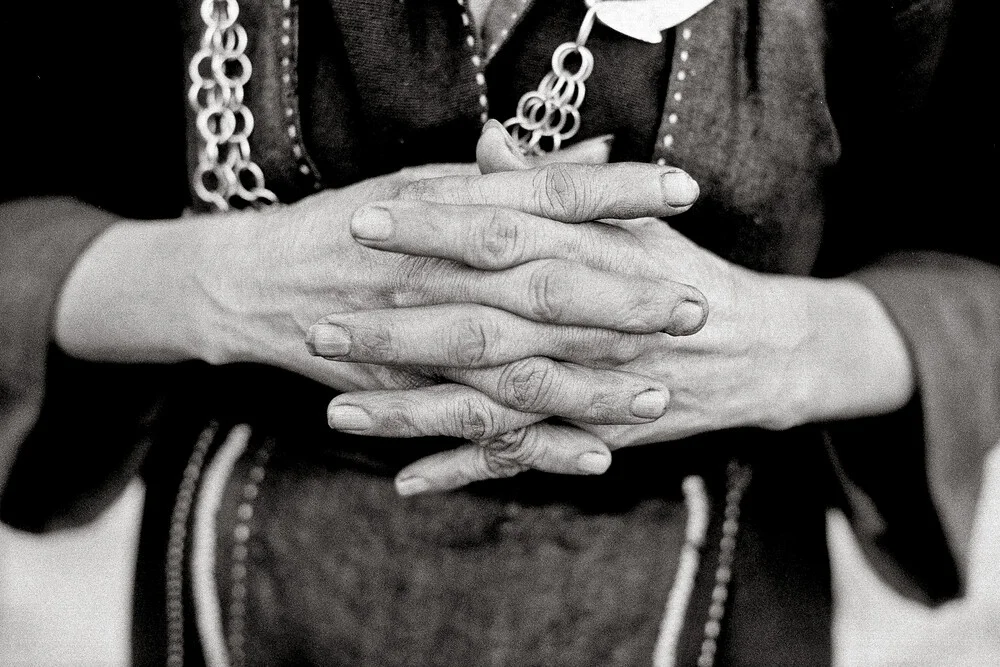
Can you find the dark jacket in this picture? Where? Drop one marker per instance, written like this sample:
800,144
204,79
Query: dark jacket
811,128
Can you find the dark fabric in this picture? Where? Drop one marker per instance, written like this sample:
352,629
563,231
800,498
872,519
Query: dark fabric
793,116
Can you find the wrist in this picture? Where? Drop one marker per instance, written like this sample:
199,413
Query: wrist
849,359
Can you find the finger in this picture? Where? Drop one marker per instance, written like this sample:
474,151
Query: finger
569,192
450,410
486,237
544,386
595,150
560,292
497,151
464,336
615,294
547,447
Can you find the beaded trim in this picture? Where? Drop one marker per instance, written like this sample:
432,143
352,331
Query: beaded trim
737,479
477,61
501,37
676,95
289,92
176,540
236,613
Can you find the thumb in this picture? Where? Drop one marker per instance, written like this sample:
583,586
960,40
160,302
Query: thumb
498,151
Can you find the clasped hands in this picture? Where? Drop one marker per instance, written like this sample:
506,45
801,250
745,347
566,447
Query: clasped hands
548,316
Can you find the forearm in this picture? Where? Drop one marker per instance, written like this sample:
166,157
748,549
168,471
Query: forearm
850,359
132,296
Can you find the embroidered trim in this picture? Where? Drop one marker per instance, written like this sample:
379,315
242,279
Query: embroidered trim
519,8
675,95
737,480
176,539
289,92
205,592
477,62
696,502
236,621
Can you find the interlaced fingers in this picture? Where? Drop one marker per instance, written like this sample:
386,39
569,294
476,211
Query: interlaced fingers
550,115
226,176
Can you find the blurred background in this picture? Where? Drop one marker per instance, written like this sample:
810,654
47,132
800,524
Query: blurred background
65,599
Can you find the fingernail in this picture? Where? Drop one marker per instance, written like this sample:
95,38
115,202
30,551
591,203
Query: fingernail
348,418
372,223
491,124
411,486
687,317
679,188
593,463
649,404
328,340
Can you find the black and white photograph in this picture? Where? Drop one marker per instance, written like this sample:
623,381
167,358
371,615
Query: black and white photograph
499,333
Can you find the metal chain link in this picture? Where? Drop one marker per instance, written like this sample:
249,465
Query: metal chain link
550,115
226,176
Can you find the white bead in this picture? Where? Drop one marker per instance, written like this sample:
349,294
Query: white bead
686,33
681,75
241,533
678,97
712,629
304,168
477,61
483,102
480,79
292,131
684,56
672,119
668,140
285,39
662,162
470,40
465,20
286,23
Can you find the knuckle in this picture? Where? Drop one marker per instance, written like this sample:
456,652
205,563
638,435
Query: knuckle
376,343
475,421
490,466
500,241
527,384
603,410
413,281
398,421
560,195
543,293
468,344
518,448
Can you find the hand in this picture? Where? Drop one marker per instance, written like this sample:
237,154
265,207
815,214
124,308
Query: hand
244,287
756,363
